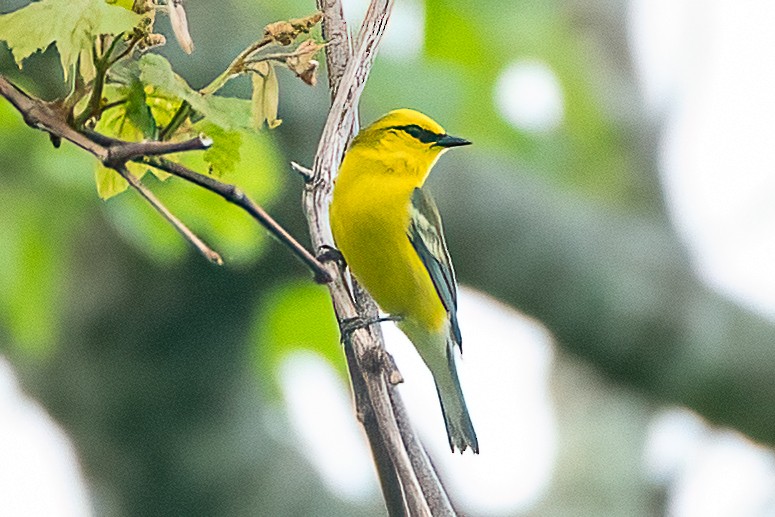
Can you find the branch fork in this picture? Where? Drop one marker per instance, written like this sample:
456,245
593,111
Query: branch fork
121,152
115,154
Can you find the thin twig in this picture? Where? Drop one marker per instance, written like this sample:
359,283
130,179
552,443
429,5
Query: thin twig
187,234
235,195
180,116
126,151
40,115
303,171
232,194
134,40
101,65
236,66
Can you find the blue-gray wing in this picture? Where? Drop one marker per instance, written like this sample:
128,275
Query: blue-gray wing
427,236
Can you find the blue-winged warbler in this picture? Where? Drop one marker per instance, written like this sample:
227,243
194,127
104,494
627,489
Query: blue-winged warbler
389,232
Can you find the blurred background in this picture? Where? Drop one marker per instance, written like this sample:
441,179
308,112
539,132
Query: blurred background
612,229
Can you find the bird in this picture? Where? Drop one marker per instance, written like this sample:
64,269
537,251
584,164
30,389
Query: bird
388,230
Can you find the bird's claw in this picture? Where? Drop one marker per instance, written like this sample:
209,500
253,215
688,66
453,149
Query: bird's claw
330,254
349,325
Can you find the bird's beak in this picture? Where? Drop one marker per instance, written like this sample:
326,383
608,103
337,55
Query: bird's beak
451,141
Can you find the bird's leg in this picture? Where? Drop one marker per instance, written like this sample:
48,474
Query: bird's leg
328,253
379,359
350,325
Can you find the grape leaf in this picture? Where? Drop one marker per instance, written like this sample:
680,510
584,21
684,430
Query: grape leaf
227,112
71,24
223,156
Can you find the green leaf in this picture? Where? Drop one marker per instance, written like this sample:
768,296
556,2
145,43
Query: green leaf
118,124
126,4
295,316
227,112
224,155
228,229
71,24
139,113
133,121
109,182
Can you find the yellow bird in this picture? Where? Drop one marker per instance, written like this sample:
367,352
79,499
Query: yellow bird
389,232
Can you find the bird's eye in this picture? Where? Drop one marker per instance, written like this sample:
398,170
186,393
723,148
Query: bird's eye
415,131
423,135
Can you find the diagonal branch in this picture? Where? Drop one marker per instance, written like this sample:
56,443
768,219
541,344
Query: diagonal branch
114,153
190,236
122,152
235,195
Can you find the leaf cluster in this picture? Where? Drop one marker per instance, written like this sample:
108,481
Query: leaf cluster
118,89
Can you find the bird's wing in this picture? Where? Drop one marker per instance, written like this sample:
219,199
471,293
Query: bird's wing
427,237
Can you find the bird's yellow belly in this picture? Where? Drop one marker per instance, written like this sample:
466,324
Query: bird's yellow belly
371,236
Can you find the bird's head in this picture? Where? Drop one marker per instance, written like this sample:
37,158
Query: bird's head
406,130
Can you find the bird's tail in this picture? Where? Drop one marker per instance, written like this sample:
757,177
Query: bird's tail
460,430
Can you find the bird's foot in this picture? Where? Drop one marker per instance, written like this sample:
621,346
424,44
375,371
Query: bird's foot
376,359
328,253
350,325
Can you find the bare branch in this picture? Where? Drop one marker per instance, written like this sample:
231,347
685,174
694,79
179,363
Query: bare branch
44,116
335,34
388,478
190,236
123,152
235,195
437,499
279,32
115,153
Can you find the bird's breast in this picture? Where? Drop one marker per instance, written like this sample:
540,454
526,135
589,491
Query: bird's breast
369,218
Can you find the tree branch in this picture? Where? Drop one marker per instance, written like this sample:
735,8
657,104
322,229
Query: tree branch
114,153
368,362
122,152
190,236
235,195
335,33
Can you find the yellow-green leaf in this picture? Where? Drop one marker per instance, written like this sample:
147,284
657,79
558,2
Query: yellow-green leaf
109,182
227,112
138,112
70,24
117,123
266,96
224,155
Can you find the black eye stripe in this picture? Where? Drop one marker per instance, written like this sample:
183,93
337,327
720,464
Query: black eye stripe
423,135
